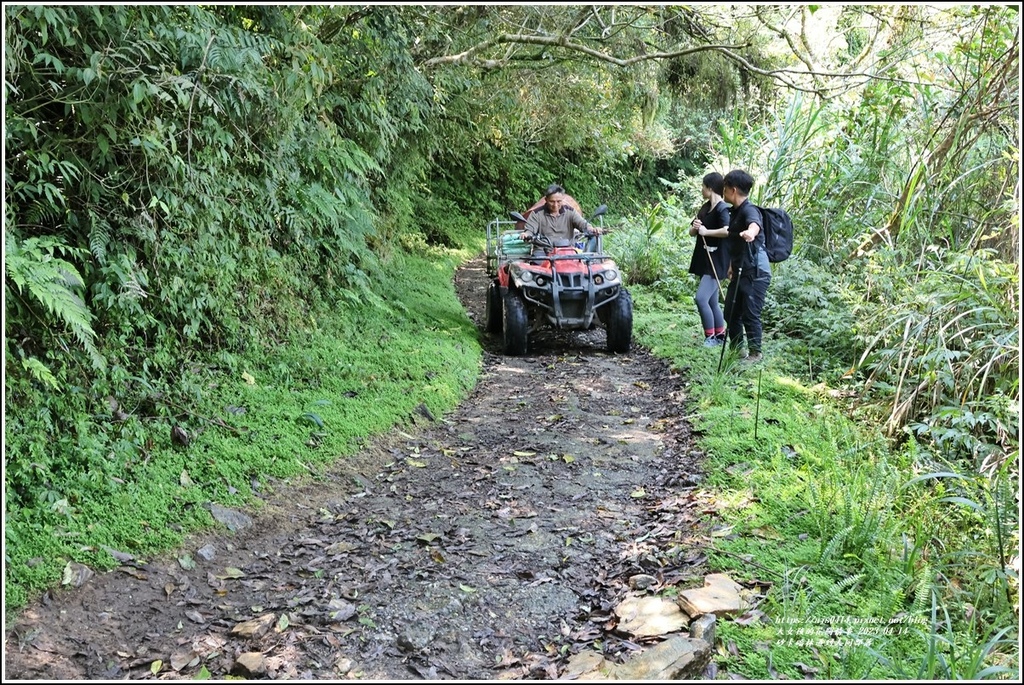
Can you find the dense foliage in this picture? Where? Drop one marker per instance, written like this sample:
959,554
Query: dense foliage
190,190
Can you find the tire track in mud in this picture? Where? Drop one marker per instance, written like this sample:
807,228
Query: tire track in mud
493,543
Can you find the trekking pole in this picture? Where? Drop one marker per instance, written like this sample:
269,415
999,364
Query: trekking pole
732,311
714,271
757,403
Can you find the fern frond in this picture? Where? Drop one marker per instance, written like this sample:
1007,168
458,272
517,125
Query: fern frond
40,372
847,582
53,283
99,238
835,544
923,591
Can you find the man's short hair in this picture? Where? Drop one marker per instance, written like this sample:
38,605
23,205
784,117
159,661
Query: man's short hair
740,180
554,189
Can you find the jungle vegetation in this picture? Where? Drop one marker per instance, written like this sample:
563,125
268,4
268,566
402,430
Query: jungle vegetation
197,197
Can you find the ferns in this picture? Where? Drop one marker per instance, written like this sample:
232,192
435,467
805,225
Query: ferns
99,238
54,284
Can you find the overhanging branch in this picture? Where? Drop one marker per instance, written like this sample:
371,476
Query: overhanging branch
471,56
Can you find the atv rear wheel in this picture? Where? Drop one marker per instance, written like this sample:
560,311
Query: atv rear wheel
620,323
515,324
493,316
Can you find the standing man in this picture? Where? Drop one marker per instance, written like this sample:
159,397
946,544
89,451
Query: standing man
556,221
749,272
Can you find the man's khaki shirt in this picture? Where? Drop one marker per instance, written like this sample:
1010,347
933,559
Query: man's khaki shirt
556,226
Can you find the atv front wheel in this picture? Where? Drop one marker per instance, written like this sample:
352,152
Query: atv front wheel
620,323
493,317
515,328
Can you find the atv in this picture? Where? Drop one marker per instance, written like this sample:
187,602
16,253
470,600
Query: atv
558,284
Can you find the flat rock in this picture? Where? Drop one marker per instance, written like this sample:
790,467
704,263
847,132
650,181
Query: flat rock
648,616
678,658
720,596
232,519
250,663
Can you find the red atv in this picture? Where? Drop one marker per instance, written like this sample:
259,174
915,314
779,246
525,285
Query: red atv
567,286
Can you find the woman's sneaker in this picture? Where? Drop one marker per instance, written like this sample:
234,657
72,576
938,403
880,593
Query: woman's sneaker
712,341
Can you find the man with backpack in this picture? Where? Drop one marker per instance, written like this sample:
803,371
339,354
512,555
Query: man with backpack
750,269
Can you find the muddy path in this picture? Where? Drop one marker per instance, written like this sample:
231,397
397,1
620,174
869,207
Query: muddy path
489,544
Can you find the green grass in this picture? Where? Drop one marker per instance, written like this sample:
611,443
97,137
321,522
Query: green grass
864,549
294,408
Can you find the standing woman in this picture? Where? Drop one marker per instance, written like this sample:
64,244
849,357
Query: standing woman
710,260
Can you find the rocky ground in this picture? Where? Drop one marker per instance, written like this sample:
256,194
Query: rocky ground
493,543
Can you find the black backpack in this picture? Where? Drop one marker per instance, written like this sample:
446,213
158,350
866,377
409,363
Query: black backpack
778,233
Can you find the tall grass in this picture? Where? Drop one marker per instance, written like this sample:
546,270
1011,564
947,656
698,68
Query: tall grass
902,556
900,299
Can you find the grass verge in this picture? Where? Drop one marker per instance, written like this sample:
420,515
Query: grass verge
282,413
867,561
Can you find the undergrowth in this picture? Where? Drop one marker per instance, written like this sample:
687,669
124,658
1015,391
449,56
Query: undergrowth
279,412
880,561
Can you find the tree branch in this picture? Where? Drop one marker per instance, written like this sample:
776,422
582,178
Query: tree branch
469,57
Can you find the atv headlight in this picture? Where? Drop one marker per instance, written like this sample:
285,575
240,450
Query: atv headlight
541,281
527,276
611,274
598,279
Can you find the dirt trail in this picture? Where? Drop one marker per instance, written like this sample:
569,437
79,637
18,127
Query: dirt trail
492,543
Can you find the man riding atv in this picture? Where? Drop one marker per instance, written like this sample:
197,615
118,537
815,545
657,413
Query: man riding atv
557,220
541,276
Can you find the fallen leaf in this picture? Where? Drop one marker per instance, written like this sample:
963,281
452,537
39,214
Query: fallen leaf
466,588
524,454
180,660
340,548
311,418
767,533
186,562
155,667
749,618
568,458
637,494
428,537
282,623
231,572
76,574
120,556
132,571
254,627
248,378
415,462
